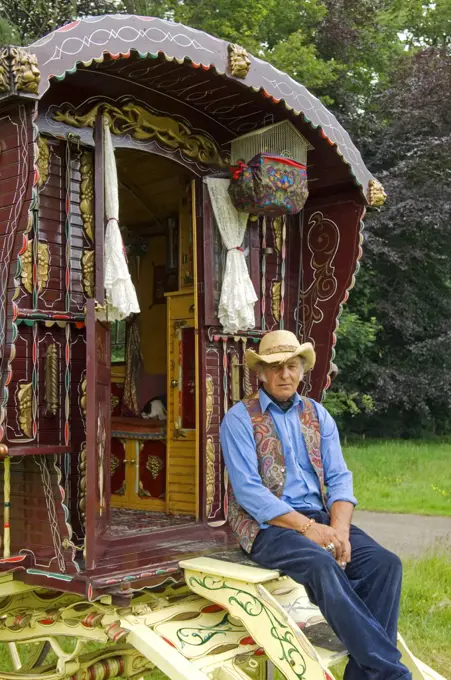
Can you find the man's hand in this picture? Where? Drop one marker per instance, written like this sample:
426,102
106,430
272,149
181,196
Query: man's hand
342,533
323,535
340,521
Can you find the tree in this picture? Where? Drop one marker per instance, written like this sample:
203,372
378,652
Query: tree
408,254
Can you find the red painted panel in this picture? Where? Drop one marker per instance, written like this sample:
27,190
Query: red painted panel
331,248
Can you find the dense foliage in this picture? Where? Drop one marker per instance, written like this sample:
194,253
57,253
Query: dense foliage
384,66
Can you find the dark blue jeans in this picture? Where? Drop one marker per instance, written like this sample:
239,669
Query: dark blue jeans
361,603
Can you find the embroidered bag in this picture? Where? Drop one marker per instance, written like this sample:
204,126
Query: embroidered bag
269,185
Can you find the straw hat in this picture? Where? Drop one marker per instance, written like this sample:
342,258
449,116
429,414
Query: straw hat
279,346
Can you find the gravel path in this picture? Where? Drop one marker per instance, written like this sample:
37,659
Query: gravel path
406,535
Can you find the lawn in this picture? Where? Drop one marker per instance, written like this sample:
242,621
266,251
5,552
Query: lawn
402,476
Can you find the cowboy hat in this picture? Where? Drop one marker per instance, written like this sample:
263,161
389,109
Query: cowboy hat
277,347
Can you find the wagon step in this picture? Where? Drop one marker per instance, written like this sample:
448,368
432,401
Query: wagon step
279,618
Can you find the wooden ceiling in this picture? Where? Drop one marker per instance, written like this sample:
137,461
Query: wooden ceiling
150,189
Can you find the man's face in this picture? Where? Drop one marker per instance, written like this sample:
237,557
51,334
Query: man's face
281,380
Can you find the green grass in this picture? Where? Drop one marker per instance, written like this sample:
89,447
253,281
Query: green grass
425,621
402,476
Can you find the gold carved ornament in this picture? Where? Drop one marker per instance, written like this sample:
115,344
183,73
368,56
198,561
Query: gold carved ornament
88,267
25,71
87,193
51,380
154,465
209,388
239,62
43,161
83,398
25,401
210,474
143,124
376,195
276,298
43,265
4,70
26,274
277,230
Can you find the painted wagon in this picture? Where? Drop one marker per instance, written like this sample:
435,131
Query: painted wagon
115,555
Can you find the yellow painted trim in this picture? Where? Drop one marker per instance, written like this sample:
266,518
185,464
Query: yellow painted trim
166,658
196,348
208,565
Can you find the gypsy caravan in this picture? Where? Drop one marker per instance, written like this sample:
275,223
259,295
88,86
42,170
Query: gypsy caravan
138,262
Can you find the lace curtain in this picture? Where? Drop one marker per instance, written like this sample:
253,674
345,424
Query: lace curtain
120,294
236,304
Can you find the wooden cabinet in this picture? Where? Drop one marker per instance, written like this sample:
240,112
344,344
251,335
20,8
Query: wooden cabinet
138,464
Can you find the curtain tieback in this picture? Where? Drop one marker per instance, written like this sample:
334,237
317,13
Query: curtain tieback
236,248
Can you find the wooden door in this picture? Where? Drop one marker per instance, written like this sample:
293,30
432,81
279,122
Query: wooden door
98,439
182,459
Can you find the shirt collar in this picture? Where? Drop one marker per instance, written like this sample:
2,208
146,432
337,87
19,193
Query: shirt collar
265,400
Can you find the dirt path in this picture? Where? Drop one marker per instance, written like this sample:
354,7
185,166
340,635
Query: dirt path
406,535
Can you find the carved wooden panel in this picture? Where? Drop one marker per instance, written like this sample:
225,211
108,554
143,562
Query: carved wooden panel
227,380
18,178
64,228
330,252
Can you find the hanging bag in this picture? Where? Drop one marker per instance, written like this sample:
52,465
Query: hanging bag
269,185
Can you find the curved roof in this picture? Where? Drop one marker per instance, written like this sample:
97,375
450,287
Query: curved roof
88,40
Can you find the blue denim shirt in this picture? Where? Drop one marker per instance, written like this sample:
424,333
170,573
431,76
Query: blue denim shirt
301,490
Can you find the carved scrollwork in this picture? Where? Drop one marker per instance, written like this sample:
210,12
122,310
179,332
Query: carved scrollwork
239,62
25,71
87,193
210,480
26,273
277,231
145,125
25,402
208,401
51,380
43,265
43,161
4,71
376,195
88,266
276,297
83,398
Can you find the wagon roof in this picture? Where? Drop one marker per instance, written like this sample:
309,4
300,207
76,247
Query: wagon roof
87,42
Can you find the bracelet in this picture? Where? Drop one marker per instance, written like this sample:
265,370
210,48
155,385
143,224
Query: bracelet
304,529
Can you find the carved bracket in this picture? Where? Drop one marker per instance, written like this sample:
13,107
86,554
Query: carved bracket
376,195
25,401
19,73
239,62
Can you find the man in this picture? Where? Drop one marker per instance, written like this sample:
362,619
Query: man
282,452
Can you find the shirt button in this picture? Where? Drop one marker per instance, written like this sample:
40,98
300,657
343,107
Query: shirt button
282,469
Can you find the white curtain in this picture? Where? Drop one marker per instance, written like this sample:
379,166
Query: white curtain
120,294
236,305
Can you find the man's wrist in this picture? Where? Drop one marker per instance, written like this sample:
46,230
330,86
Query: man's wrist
305,527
